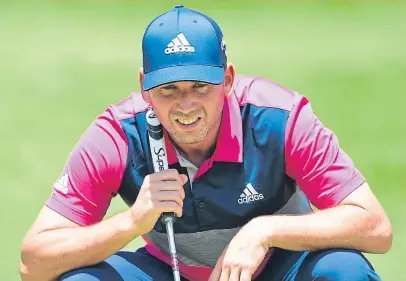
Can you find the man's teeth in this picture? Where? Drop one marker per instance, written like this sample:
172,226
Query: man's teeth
188,121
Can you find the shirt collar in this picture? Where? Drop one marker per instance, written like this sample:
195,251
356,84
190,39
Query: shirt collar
229,146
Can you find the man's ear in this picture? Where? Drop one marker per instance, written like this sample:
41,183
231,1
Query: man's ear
145,94
229,75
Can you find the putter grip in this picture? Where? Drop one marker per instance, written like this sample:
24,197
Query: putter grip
158,149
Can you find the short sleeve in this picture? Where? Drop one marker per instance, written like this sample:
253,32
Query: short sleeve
314,159
92,173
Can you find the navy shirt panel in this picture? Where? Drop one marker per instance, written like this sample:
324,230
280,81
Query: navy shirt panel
214,203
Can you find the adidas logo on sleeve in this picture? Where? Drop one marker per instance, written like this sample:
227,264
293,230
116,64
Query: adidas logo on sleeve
62,184
179,44
249,195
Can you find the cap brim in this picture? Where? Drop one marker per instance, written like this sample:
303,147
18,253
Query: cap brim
203,73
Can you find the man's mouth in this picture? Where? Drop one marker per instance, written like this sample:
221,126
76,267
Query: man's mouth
187,121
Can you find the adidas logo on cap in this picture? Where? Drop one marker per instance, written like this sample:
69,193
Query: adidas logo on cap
179,44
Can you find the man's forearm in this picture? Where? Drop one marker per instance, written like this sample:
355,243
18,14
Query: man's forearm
348,227
53,252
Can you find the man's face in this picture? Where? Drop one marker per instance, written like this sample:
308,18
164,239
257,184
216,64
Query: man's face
188,110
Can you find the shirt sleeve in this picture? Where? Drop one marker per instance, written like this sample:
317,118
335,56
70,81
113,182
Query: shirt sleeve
92,173
314,159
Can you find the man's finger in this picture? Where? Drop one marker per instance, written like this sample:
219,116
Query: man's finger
245,275
215,274
170,196
169,206
235,274
166,175
225,274
184,178
175,185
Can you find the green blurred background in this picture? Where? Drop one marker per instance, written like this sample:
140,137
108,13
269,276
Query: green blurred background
63,62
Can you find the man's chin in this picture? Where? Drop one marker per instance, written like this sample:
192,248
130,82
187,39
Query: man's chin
186,138
189,140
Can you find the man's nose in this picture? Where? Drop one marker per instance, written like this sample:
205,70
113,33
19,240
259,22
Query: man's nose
186,103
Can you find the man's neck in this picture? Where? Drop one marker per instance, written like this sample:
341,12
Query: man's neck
197,153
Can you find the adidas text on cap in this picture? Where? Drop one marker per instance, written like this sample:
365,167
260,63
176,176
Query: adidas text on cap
183,45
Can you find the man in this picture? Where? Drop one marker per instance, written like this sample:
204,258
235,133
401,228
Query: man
246,158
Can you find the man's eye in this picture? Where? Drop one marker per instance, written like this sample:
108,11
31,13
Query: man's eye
199,85
165,93
169,87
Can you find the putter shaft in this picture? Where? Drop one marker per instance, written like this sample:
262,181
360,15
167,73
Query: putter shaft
172,248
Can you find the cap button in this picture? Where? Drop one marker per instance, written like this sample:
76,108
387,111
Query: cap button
179,6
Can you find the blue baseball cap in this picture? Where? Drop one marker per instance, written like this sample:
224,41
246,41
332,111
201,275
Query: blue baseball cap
183,45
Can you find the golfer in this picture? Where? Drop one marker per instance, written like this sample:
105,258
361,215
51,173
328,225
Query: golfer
247,158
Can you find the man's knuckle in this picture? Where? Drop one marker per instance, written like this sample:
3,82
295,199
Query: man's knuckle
148,194
151,205
247,266
228,263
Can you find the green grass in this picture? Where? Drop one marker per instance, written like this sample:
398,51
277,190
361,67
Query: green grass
63,63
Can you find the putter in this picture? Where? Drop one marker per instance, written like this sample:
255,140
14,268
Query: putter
160,161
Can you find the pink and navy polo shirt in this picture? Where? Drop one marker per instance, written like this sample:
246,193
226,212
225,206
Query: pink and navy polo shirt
273,156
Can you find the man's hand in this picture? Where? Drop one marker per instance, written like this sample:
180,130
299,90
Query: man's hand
243,255
160,193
